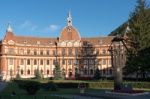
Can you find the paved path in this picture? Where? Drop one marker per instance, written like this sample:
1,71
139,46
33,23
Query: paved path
2,85
103,95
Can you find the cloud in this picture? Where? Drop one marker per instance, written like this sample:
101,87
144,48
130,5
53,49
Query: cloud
51,28
28,25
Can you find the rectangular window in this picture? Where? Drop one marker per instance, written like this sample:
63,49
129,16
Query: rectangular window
35,52
54,52
47,62
10,51
28,51
11,62
28,61
63,52
70,52
69,61
21,51
21,61
54,62
35,62
63,62
41,52
41,61
104,61
47,52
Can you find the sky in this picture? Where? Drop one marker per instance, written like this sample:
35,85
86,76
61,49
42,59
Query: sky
47,18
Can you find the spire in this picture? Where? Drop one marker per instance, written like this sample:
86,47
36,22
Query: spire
9,29
69,19
127,28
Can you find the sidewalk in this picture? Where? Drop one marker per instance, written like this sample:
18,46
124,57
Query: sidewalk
2,85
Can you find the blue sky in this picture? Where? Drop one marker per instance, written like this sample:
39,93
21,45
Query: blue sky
46,18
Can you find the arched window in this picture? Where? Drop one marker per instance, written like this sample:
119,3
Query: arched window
35,52
28,72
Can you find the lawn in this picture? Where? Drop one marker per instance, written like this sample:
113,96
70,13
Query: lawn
42,94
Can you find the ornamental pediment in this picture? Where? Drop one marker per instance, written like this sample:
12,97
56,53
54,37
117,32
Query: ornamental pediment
11,42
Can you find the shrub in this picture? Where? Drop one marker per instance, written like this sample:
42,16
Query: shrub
30,86
50,86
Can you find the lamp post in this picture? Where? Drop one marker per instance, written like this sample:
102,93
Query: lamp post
56,44
116,60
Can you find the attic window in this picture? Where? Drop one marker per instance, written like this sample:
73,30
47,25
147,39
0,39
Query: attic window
50,43
25,41
100,41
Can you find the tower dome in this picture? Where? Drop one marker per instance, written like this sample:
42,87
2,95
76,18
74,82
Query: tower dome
69,32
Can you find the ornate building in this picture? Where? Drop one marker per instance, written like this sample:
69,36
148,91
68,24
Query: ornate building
23,55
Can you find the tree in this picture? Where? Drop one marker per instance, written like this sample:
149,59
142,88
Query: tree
140,35
38,74
57,72
97,74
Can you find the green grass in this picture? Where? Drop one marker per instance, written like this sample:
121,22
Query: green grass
42,94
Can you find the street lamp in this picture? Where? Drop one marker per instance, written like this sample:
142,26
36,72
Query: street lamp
116,60
56,44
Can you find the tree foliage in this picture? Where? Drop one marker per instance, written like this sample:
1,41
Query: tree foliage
97,74
140,35
57,72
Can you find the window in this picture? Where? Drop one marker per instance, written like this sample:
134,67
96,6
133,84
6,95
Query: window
97,51
76,52
85,71
47,62
109,61
41,62
47,71
41,71
54,52
28,61
69,61
21,71
70,51
85,62
21,51
63,62
10,51
91,71
35,62
54,62
21,61
63,52
28,51
41,52
104,61
47,52
28,72
104,51
35,52
11,62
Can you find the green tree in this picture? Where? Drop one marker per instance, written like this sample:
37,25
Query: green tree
57,72
97,74
38,74
140,37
